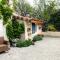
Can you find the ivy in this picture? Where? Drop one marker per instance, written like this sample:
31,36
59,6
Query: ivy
14,29
5,11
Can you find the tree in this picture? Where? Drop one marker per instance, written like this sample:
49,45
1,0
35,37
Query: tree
49,10
38,9
22,7
55,20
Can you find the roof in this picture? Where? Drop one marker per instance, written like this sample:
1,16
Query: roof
33,20
37,21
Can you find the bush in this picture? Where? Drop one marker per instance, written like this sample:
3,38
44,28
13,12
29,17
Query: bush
24,43
9,30
51,27
18,28
14,30
37,38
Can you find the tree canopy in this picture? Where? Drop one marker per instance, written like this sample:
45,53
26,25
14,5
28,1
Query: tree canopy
55,20
22,7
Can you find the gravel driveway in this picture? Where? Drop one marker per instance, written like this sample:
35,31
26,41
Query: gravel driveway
47,49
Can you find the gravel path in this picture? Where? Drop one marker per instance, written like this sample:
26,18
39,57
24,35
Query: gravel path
47,49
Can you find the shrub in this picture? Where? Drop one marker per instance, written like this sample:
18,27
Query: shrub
37,38
14,30
24,43
51,27
9,30
18,28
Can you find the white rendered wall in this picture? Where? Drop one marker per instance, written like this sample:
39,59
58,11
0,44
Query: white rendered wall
3,30
5,36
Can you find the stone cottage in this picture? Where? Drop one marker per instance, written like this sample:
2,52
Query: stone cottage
33,26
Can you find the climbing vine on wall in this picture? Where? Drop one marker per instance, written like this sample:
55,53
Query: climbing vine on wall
5,11
14,29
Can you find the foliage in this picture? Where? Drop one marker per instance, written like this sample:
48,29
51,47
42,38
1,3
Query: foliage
18,28
5,11
22,7
24,43
9,30
51,27
14,29
55,19
49,10
43,10
37,38
38,9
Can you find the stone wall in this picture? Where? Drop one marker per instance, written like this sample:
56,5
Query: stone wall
52,34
